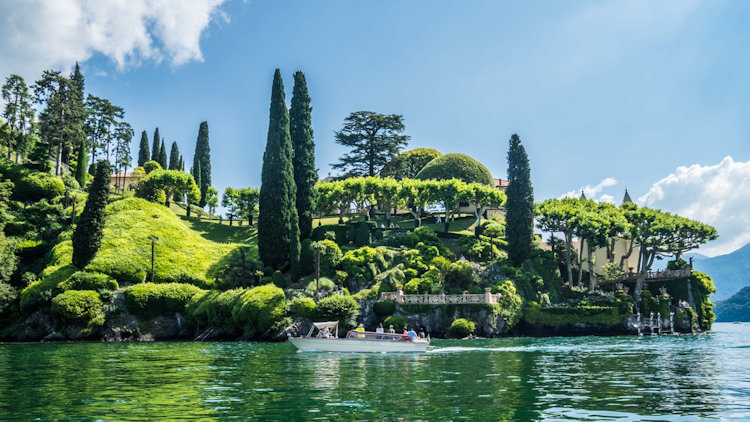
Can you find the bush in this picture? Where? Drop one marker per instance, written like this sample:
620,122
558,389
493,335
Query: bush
303,307
384,307
260,311
214,309
340,231
8,299
278,279
150,166
362,235
149,300
460,275
323,285
307,257
397,321
35,186
331,258
365,262
480,250
339,308
457,166
89,281
81,306
462,327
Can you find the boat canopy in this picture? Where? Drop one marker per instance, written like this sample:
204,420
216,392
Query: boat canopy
332,326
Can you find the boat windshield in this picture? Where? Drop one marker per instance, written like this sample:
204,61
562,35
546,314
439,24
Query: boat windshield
369,335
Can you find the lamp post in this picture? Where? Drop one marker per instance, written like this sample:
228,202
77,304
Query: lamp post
153,240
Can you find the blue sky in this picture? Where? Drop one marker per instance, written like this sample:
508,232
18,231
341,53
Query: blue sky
605,95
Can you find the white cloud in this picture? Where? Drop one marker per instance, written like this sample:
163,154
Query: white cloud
592,191
715,194
42,34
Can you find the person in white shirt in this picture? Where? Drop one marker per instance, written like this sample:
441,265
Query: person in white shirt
380,328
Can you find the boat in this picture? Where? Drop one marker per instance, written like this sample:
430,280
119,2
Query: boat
736,322
326,340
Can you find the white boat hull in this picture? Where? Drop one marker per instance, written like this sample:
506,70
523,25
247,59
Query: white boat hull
356,345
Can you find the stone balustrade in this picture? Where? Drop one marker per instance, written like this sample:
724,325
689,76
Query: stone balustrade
442,299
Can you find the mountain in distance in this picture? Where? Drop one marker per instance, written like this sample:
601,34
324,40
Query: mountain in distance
730,272
736,308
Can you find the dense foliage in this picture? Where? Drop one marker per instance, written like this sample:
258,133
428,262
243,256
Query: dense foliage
303,159
341,308
87,236
276,236
202,161
407,164
374,140
520,203
456,166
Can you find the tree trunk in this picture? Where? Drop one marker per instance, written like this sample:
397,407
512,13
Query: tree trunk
568,253
592,276
478,227
58,160
580,264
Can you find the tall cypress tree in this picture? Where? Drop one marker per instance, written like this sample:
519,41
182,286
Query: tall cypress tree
155,146
83,164
519,219
162,159
305,175
87,236
174,157
182,163
276,236
143,152
196,172
77,112
203,155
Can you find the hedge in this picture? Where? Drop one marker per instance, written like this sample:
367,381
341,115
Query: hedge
149,300
82,306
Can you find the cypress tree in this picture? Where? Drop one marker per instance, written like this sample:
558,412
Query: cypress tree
182,163
82,165
78,111
162,155
305,175
143,152
174,157
87,236
520,203
276,236
155,146
203,155
196,172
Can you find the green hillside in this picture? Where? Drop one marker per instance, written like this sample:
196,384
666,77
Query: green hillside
736,308
182,254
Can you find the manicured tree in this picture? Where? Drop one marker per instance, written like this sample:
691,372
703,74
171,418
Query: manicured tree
303,159
230,201
407,164
482,196
247,199
82,164
520,203
87,236
212,199
163,156
155,146
182,163
174,157
557,215
374,140
203,156
161,185
450,192
278,191
143,152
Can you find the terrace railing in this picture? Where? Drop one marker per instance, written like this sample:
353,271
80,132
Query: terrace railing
441,299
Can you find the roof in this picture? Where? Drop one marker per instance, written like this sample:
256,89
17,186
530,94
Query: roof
626,199
500,183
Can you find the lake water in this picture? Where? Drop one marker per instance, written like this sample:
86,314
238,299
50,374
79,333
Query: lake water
592,378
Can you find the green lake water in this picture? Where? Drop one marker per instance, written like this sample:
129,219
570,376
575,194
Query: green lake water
613,378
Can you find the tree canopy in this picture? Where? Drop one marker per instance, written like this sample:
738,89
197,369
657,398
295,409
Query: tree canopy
374,140
407,164
161,185
457,166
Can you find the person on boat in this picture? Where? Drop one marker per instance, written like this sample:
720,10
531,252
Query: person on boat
380,328
412,334
326,333
361,329
391,330
421,333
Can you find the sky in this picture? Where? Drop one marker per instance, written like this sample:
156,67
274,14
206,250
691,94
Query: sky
605,95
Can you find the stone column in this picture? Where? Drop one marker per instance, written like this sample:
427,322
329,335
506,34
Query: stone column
399,294
487,295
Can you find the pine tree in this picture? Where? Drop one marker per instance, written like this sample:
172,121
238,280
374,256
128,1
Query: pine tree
276,237
519,219
174,157
87,236
143,152
305,175
162,155
203,155
82,165
155,146
78,111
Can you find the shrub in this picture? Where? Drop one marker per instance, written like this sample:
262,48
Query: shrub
456,166
82,306
89,281
214,309
331,258
8,298
365,262
481,250
303,307
150,166
307,257
460,275
278,279
260,311
149,300
397,321
323,285
384,307
340,231
462,327
340,308
362,235
35,186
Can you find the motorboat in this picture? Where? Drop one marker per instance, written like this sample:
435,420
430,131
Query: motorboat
323,337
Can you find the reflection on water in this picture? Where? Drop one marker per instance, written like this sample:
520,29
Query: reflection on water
586,378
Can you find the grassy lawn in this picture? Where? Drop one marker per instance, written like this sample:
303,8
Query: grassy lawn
221,233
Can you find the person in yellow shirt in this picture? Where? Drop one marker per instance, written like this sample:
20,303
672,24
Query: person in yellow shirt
361,329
